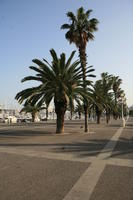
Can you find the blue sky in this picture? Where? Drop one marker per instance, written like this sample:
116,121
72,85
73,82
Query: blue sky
30,28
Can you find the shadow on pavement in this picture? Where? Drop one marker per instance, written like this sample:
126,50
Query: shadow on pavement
88,147
81,149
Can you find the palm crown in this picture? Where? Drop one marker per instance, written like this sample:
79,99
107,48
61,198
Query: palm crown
33,109
59,80
81,29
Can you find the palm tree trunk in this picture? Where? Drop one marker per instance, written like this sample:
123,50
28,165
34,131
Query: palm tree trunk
60,123
60,109
98,118
79,113
33,117
115,114
115,98
107,117
82,56
71,114
46,113
98,113
86,117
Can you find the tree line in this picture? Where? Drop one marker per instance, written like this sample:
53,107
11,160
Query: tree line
68,82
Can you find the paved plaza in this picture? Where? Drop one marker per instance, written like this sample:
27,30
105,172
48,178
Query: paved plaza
37,164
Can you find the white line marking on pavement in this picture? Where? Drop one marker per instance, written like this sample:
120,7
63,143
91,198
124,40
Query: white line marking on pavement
107,150
87,182
120,162
49,155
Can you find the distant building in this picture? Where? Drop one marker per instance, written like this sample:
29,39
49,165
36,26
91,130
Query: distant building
8,115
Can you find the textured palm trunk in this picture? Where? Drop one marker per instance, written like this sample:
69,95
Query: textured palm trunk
60,123
60,109
33,116
71,114
115,99
107,116
115,115
98,119
46,113
86,117
98,113
79,113
82,55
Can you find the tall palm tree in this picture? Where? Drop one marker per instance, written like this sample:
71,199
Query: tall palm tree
116,82
56,81
80,31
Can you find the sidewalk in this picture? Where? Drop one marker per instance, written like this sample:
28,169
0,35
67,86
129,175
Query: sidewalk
36,165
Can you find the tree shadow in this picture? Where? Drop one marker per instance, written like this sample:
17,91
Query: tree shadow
87,147
80,149
124,148
25,132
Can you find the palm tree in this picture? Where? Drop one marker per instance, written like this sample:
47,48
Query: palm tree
56,81
106,96
106,80
103,97
33,109
79,109
80,31
72,98
98,104
116,82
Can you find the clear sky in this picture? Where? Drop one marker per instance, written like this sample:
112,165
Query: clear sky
30,28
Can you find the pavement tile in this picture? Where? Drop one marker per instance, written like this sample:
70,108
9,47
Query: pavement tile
115,183
124,147
26,178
